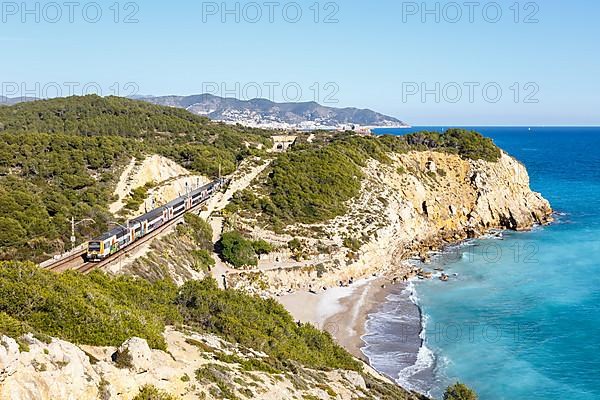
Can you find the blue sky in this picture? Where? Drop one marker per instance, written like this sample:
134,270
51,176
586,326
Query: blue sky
390,56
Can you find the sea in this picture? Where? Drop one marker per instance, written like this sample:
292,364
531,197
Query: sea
519,318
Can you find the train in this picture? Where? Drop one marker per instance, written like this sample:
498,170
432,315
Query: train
120,237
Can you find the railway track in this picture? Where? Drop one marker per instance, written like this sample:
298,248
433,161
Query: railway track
77,261
88,267
69,262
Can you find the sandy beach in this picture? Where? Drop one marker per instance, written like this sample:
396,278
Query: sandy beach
341,311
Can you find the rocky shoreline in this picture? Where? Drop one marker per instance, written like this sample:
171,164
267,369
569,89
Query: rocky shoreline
436,200
492,197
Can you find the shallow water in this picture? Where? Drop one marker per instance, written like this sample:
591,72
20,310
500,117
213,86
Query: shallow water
522,318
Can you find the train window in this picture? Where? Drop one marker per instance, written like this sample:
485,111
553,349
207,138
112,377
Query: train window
94,246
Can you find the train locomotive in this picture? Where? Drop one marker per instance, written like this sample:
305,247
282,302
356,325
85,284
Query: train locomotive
120,237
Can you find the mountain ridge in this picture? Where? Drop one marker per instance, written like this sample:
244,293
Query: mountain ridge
265,113
9,101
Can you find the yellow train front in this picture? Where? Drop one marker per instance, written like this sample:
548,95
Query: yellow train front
108,244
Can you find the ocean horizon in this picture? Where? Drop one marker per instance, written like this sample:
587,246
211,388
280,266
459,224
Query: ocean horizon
515,319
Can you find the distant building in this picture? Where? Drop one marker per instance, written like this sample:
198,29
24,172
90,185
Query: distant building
362,130
283,143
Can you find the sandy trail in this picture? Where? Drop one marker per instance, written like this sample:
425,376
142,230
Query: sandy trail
217,203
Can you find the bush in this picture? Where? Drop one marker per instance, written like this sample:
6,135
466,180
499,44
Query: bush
241,252
12,327
352,243
295,244
467,144
138,196
149,392
459,391
237,250
262,247
204,260
312,185
201,231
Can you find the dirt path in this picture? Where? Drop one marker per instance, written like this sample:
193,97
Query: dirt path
221,200
218,203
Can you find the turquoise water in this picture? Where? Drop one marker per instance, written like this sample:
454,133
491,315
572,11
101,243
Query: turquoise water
521,320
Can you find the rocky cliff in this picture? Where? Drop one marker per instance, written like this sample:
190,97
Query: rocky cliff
420,202
195,367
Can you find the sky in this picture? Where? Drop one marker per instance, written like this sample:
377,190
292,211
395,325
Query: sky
424,62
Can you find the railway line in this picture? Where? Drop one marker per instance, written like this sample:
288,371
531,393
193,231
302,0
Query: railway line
77,259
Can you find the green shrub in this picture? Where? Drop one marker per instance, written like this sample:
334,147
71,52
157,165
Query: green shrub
352,243
138,196
204,260
149,392
312,185
295,244
219,375
262,247
123,359
12,327
459,391
467,144
201,231
237,250
251,364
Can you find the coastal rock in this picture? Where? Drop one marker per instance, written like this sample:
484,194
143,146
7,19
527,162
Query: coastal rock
136,354
57,370
438,199
355,379
504,198
9,357
61,370
431,166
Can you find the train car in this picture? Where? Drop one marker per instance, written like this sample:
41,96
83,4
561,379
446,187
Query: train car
148,222
118,238
108,244
201,194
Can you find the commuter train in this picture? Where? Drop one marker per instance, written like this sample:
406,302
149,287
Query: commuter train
121,237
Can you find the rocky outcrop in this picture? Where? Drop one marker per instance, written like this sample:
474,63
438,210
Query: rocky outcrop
9,357
419,202
56,370
504,198
193,368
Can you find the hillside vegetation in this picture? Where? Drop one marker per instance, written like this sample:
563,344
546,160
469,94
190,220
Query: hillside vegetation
99,310
103,311
313,182
59,158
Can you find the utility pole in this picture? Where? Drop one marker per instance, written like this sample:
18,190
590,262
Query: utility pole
73,238
73,224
